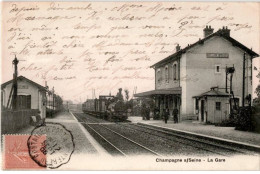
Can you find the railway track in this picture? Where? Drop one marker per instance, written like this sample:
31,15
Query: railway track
209,146
172,140
119,145
83,118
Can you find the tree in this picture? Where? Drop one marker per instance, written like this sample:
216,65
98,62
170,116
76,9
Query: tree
257,91
59,102
126,94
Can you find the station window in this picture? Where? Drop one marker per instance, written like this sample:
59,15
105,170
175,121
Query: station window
217,68
218,106
159,75
175,72
166,74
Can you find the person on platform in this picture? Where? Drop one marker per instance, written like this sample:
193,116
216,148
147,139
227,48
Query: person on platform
175,115
148,113
156,113
143,111
166,115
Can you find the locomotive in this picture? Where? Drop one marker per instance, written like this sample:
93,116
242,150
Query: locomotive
106,107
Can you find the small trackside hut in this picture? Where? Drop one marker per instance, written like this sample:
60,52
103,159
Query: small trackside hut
30,95
212,106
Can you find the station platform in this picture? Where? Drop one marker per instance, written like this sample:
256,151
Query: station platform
84,142
195,127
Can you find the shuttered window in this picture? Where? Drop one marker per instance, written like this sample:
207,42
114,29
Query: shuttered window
166,74
159,77
24,101
175,73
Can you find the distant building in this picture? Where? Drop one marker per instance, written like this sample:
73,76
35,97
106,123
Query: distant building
30,95
183,79
67,102
75,107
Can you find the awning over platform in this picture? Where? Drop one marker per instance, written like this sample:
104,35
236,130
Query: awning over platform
171,91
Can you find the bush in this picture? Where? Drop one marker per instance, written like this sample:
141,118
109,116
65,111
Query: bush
256,118
227,123
243,119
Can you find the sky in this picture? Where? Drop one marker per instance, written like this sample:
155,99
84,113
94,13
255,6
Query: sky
82,47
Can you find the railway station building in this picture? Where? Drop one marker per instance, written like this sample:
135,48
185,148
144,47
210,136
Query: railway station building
30,95
195,80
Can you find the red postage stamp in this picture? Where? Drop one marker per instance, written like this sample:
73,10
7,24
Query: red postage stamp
16,152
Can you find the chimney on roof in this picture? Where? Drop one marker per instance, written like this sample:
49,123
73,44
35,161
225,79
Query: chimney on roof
208,31
225,31
178,48
46,86
214,88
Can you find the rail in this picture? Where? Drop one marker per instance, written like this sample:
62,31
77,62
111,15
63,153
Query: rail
122,136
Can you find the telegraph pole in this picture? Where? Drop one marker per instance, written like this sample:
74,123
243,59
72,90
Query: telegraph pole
243,87
226,80
15,63
53,99
231,70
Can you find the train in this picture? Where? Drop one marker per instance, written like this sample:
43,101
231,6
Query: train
106,107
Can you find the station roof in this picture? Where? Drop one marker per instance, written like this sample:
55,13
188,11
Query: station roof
27,80
213,93
201,41
170,91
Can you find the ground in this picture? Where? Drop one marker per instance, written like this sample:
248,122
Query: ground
210,130
82,144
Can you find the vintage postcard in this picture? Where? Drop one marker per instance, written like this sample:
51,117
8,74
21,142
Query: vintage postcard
130,86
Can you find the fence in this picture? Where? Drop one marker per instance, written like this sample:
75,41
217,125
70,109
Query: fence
12,121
